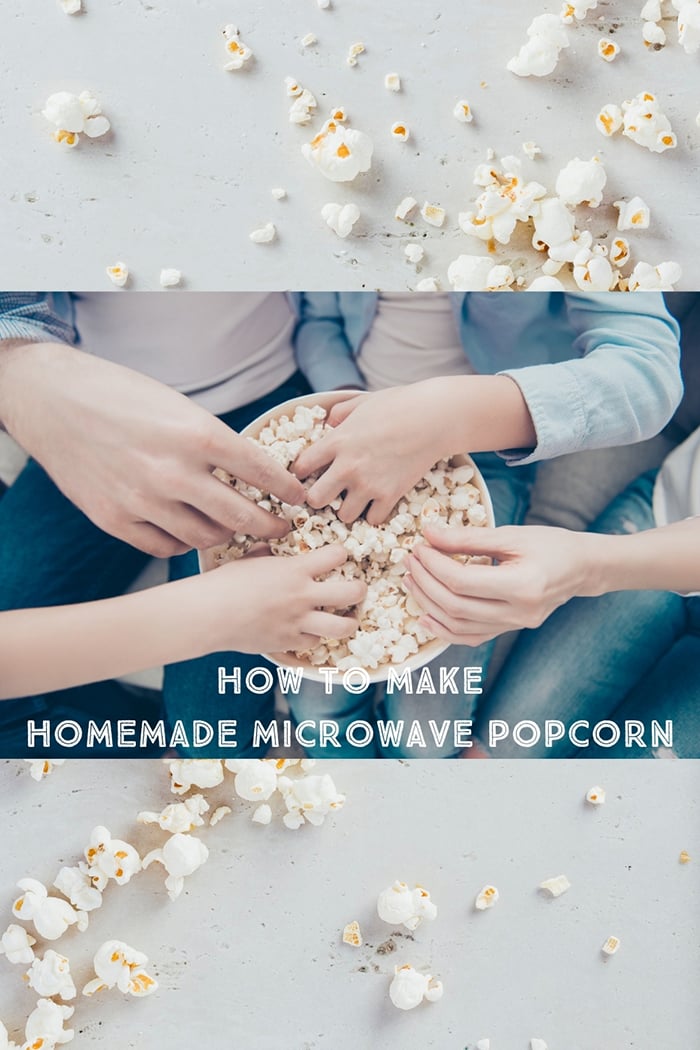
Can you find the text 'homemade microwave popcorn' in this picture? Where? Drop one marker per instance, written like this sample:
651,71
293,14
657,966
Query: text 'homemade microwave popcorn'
389,629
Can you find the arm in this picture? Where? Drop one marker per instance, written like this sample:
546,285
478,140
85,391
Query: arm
35,317
255,603
540,568
322,350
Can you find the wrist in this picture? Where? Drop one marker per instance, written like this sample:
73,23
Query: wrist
601,569
22,366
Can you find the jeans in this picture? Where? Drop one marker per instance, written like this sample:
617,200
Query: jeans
625,655
510,491
52,554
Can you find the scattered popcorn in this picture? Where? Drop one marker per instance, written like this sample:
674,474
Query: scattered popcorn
400,905
433,214
110,858
653,35
186,773
304,102
596,796
265,234
170,278
405,208
539,56
581,182
44,1027
181,856
354,51
556,886
77,885
392,82
309,799
219,814
578,9
16,945
506,200
279,193
71,7
487,898
619,251
428,284
409,988
262,815
309,40
73,115
611,946
178,817
414,253
43,767
463,112
239,54
531,150
400,131
338,152
634,214
641,120
340,217
651,12
118,274
352,934
684,857
117,964
688,25
661,278
51,915
51,976
608,49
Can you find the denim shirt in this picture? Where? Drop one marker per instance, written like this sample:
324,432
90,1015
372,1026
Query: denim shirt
595,369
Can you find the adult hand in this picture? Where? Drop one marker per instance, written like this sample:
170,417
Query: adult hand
135,456
539,568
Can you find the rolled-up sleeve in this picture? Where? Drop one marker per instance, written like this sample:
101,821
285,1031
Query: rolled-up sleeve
322,349
37,317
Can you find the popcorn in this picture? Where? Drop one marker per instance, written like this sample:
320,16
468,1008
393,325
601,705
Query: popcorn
309,40
538,1044
77,885
304,102
340,153
400,131
486,898
545,284
265,234
578,9
469,273
73,115
539,56
392,82
255,780
611,946
498,278
593,272
5,1043
118,965
310,799
414,253
609,120
239,55
651,12
506,200
409,988
353,52
483,1044
186,773
428,284
262,815
323,4
531,150
619,251
178,816
279,193
556,886
51,915
684,857
405,208
339,114
634,214
352,934
581,182
644,123
653,35
118,274
689,26
51,976
463,112
44,1026
608,49
170,278
433,214
340,217
399,905
16,944
596,796
661,278
181,856
71,7
219,814
43,767
110,858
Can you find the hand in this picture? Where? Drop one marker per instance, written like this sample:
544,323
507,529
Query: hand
538,569
277,604
135,456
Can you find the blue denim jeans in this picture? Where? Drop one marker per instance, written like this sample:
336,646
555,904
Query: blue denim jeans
52,554
625,655
510,493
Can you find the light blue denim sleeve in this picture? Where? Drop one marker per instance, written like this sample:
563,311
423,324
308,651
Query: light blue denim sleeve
37,317
622,384
321,345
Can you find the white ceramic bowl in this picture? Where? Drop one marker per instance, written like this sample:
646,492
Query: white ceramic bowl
427,652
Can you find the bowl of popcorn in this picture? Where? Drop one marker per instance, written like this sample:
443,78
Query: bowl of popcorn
389,636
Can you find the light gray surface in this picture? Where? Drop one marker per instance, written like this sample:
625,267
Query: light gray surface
195,150
250,955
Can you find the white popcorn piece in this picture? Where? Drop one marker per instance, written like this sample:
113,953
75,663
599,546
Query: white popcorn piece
414,253
433,214
178,816
310,799
556,886
609,120
646,124
71,7
400,905
255,780
608,49
483,1044
392,82
309,40
353,52
619,251
110,858
506,200
469,273
611,946
51,976
531,150
279,193
118,274
186,773
539,56
44,1026
5,1043
40,768
463,112
340,217
498,278
486,898
581,182
661,278
651,12
265,234
596,796
577,10
593,272
634,214
75,115
352,934
239,54
170,278
118,965
262,815
653,35
400,131
77,885
538,1044
689,25
292,87
428,284
300,109
219,813
405,208
340,153
181,856
323,4
409,988
545,284
51,915
16,945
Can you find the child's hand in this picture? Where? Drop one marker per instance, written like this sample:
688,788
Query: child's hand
277,604
538,569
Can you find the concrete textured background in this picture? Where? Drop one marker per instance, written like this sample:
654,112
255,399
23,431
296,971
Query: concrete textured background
195,150
250,955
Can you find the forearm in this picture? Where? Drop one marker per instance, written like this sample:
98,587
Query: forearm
663,559
484,414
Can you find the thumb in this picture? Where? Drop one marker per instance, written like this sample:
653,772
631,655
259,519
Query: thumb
324,559
470,540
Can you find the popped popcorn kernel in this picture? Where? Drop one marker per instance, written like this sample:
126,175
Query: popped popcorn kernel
309,40
51,976
109,858
392,82
556,886
633,214
538,1044
539,56
178,816
44,1027
16,945
531,150
75,115
279,193
581,182
611,946
254,779
401,906
609,120
414,253
463,111
51,915
608,49
469,273
409,988
487,897
433,214
340,217
352,934
428,284
262,815
181,856
619,251
264,234
219,813
239,54
40,768
186,773
400,131
118,274
646,124
119,965
339,152
71,7
653,35
596,796
661,278
651,12
170,278
353,52
689,26
405,208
